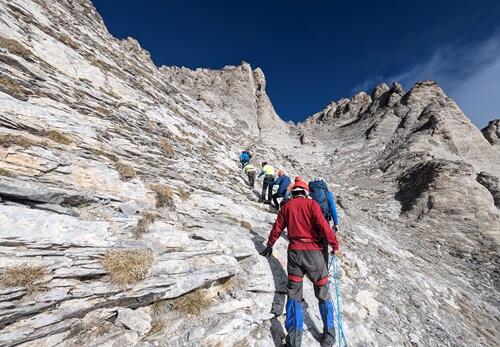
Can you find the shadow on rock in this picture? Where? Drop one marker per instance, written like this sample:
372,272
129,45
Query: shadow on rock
280,279
311,326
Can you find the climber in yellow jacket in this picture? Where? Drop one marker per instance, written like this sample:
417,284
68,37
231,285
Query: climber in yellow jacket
251,172
268,172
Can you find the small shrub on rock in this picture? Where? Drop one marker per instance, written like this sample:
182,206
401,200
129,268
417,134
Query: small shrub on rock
68,41
5,173
149,217
126,172
17,140
164,195
183,194
159,307
246,225
156,326
27,276
143,224
192,303
140,228
166,147
11,87
58,137
14,47
129,266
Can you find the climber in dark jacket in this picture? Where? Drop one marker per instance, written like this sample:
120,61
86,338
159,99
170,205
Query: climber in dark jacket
283,181
306,226
267,184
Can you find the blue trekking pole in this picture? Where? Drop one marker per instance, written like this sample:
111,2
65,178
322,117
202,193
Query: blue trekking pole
337,310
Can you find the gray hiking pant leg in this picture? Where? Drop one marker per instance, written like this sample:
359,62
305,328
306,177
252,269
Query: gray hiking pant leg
251,179
270,190
267,185
317,271
294,317
295,276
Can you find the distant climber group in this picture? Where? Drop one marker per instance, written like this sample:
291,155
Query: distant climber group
305,211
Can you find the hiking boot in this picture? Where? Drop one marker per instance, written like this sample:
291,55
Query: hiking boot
293,339
267,202
327,340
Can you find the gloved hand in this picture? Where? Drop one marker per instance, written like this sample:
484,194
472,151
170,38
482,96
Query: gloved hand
267,252
336,228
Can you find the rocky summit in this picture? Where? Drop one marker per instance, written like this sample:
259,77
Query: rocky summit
126,221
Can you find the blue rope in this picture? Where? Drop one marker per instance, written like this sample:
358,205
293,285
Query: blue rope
337,310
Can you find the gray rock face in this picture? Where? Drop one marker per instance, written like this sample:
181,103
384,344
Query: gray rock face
413,170
492,132
104,156
492,183
137,320
237,94
129,208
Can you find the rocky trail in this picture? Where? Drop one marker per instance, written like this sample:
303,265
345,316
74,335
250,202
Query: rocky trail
125,219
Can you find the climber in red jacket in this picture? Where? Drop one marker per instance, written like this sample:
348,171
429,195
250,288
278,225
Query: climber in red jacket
307,227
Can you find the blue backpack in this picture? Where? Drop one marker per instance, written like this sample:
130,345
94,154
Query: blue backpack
318,191
245,157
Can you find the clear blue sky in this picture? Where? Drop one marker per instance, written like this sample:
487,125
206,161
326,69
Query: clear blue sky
317,51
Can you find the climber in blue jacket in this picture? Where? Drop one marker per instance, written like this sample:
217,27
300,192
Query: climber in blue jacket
283,181
245,157
333,211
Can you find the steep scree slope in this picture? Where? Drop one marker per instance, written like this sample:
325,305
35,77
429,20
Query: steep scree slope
109,164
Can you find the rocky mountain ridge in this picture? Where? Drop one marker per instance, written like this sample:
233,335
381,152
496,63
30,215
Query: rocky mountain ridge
234,93
124,219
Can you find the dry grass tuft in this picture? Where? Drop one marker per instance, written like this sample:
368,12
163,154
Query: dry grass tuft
5,173
141,228
103,110
164,195
58,137
206,148
230,284
127,266
166,147
68,41
246,225
18,140
156,326
149,217
143,224
105,154
183,194
27,276
101,329
192,303
11,86
243,343
83,331
76,329
14,47
126,172
159,307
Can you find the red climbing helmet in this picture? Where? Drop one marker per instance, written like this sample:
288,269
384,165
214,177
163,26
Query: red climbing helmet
299,185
